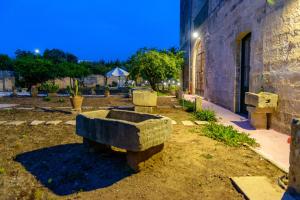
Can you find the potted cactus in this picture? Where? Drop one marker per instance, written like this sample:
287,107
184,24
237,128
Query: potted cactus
75,98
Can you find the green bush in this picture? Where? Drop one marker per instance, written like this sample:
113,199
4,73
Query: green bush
187,105
206,115
47,99
227,135
49,87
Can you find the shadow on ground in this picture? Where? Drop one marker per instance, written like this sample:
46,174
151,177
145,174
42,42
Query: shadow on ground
244,124
67,169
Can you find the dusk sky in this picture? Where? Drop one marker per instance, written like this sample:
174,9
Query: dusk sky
91,29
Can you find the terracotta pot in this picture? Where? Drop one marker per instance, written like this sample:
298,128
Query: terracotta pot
106,93
76,102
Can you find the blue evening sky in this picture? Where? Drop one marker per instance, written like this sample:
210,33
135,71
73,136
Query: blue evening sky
91,29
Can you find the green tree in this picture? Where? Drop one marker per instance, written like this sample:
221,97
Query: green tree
32,71
23,54
55,55
155,65
5,62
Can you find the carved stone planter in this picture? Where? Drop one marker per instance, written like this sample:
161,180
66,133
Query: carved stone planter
142,135
260,107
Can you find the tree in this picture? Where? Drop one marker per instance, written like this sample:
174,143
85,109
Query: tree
5,62
35,70
55,55
23,54
155,65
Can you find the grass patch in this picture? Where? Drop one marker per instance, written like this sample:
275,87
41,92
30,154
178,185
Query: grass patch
187,105
205,115
162,94
228,135
2,170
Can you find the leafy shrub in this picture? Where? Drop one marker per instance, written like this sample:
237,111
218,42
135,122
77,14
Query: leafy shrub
49,87
47,99
227,135
206,115
187,105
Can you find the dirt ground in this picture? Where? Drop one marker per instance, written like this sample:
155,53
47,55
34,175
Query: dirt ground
50,162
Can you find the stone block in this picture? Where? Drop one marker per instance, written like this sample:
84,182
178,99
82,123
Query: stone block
55,122
15,123
262,100
144,98
257,119
143,109
198,104
37,122
201,122
294,172
188,123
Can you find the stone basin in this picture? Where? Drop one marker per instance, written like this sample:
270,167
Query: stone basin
142,135
261,100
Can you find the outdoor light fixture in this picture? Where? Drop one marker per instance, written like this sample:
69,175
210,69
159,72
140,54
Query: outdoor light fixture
37,51
195,35
178,84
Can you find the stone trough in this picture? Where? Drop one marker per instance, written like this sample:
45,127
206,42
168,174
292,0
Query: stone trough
141,135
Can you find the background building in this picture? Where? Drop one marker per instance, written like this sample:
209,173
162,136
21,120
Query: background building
236,46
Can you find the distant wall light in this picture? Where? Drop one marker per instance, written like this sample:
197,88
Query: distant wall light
195,35
37,51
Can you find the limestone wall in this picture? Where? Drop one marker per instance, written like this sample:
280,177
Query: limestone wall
275,53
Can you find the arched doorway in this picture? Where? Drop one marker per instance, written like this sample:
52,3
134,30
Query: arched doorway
198,68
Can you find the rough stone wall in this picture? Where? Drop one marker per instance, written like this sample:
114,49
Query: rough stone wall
275,53
7,84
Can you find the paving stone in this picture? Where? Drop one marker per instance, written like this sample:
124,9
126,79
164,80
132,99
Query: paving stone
188,123
163,107
55,122
258,188
2,122
71,122
15,123
87,107
37,122
67,107
105,107
177,106
174,122
201,122
24,108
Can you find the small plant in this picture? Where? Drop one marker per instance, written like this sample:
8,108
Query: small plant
227,135
74,91
187,105
61,100
2,170
49,87
206,115
47,99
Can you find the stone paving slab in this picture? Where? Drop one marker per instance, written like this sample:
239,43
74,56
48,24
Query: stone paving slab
55,122
2,122
71,122
24,108
174,122
7,105
15,123
177,106
188,123
201,122
258,188
37,122
163,107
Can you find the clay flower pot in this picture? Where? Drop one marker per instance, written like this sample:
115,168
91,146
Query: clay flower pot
106,93
76,102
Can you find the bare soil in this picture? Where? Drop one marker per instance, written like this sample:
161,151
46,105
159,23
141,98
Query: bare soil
50,162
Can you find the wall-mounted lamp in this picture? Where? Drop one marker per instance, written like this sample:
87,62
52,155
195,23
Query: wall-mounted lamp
195,35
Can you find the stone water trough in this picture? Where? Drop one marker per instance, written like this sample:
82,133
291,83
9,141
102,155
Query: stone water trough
141,135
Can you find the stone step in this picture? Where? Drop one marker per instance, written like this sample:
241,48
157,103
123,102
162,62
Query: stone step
201,122
258,188
188,123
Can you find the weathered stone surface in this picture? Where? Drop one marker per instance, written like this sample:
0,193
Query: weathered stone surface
124,129
144,98
178,106
55,122
15,123
37,122
2,122
257,119
71,122
201,122
258,188
262,100
294,172
143,109
198,104
188,123
136,159
174,122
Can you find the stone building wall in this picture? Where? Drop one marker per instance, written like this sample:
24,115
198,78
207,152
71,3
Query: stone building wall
275,52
